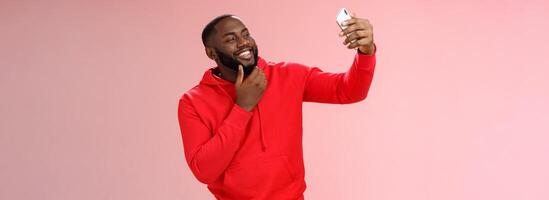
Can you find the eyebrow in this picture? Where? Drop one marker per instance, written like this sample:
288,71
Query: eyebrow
233,33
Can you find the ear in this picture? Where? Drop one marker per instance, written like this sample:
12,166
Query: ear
211,53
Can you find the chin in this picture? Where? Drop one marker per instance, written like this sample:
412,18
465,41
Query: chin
249,63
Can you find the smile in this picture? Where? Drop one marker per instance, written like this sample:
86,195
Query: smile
246,55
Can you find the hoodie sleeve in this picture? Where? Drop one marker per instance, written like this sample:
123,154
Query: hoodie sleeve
209,152
341,88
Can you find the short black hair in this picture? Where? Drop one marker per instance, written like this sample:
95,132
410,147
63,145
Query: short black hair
209,29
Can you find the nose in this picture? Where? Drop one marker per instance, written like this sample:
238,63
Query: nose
242,42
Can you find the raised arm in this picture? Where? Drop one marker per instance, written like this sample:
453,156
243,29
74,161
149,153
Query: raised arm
341,88
353,85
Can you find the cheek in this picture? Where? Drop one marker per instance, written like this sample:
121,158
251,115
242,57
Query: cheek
225,51
228,51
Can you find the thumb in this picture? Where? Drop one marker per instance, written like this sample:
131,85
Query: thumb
239,76
353,15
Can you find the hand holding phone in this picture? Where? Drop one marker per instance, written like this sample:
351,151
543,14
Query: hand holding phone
358,32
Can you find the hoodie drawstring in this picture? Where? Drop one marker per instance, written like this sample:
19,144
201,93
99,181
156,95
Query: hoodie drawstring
261,135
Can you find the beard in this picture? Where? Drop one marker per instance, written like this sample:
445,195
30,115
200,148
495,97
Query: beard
232,63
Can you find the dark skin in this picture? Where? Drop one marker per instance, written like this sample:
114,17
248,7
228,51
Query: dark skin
231,37
359,34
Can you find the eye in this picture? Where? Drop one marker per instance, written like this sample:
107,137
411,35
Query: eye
230,39
246,35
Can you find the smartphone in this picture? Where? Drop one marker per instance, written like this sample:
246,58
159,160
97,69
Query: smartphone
342,16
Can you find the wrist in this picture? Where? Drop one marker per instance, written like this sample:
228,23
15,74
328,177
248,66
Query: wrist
367,49
245,107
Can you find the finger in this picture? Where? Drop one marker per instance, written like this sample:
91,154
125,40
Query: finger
346,30
356,36
258,78
352,28
361,42
263,77
263,81
355,21
263,85
349,22
240,75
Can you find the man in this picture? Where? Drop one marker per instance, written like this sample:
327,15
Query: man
242,125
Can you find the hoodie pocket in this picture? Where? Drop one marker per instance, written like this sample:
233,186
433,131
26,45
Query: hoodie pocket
261,176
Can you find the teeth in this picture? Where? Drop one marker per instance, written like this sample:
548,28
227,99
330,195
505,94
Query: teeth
245,53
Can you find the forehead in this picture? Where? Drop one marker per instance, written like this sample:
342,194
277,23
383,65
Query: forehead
229,24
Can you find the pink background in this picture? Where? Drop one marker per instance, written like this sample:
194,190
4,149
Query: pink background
457,110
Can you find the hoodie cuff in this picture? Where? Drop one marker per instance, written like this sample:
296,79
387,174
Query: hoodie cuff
238,117
365,61
361,53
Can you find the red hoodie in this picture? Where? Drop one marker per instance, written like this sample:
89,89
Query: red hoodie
258,154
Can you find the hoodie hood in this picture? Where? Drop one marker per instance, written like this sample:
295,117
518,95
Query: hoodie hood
210,79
